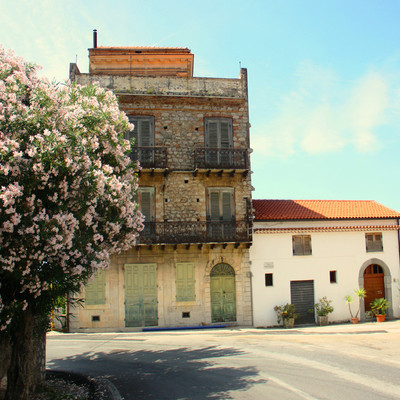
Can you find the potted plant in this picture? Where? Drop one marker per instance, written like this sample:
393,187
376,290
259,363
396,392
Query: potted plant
360,293
378,308
287,314
322,309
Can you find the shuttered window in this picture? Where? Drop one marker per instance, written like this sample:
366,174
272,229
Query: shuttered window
220,204
218,133
145,198
143,131
373,242
95,290
301,245
185,283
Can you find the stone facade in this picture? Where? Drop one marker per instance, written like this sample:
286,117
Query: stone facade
186,177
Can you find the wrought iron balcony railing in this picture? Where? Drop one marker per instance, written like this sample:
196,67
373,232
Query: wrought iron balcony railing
195,232
221,158
150,157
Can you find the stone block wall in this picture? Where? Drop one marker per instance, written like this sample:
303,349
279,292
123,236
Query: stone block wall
170,312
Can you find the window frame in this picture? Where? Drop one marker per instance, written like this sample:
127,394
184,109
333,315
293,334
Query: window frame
305,248
95,290
219,136
187,291
333,276
230,191
136,133
138,197
374,245
269,279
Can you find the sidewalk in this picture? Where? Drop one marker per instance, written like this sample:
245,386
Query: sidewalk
336,328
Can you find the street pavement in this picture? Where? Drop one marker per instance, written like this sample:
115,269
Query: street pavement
343,361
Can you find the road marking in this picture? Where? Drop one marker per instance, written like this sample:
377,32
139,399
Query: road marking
291,388
377,385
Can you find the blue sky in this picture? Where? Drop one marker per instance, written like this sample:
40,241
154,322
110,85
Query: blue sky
324,77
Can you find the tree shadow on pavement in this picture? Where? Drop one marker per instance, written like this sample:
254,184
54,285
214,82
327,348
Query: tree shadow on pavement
170,374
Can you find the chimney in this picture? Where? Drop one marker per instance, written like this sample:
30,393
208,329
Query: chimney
95,38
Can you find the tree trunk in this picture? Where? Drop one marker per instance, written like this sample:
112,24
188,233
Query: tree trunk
5,354
26,370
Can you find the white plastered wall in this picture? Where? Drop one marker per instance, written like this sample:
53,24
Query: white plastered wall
340,251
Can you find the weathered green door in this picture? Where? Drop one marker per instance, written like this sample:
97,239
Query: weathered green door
141,295
223,293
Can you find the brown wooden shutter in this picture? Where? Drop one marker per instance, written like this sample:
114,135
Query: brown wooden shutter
214,206
145,204
227,206
212,134
225,134
306,245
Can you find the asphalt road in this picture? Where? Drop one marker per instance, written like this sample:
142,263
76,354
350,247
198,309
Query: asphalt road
336,362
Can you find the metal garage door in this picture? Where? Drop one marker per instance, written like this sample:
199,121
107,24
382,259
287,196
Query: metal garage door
302,296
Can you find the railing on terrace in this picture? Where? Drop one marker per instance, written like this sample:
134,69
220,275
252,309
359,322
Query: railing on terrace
216,158
195,232
150,157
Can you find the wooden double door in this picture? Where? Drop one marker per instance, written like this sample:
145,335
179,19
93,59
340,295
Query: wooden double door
374,284
141,295
223,293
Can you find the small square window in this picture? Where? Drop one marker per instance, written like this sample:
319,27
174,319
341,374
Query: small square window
301,245
269,280
332,276
373,242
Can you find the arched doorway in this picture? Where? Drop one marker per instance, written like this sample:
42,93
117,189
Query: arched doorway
223,293
374,284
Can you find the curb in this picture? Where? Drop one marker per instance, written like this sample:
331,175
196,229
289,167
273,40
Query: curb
99,388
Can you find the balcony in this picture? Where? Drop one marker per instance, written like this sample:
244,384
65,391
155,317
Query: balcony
215,158
195,232
150,157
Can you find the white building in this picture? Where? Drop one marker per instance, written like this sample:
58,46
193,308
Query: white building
306,249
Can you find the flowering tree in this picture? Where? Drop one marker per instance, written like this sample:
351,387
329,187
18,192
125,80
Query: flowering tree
66,200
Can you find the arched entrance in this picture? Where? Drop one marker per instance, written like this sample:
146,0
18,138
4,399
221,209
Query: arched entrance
371,275
374,284
223,293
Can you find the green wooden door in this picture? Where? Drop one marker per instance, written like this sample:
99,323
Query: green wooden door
141,295
223,293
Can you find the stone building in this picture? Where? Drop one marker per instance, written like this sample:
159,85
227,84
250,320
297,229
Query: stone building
191,265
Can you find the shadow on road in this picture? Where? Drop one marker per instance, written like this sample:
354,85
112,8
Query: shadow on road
172,374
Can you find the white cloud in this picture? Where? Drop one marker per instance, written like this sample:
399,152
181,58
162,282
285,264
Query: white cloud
325,114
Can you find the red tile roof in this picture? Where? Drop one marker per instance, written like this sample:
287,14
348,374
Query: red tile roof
320,209
151,48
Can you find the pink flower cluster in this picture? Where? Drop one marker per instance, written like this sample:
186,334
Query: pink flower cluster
66,185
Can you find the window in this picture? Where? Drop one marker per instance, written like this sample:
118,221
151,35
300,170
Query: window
269,280
145,199
332,276
218,132
95,290
218,141
185,290
143,135
301,245
221,225
373,242
220,204
143,131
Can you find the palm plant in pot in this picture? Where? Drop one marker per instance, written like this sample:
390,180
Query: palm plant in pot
322,309
378,308
287,314
360,293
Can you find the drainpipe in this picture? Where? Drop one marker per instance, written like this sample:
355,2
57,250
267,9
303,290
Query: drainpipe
251,294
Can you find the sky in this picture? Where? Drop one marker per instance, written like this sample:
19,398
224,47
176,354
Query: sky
324,77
